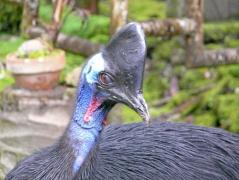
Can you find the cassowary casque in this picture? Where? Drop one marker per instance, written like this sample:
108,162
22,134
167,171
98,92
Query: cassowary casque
160,150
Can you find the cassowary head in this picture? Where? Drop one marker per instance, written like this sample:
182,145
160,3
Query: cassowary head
115,75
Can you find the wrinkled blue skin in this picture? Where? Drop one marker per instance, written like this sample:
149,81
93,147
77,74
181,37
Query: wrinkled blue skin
80,131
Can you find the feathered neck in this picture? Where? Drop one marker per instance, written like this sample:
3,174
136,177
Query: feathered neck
87,122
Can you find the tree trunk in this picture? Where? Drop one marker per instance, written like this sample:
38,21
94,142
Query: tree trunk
77,45
119,15
194,41
30,15
58,8
216,58
169,27
70,43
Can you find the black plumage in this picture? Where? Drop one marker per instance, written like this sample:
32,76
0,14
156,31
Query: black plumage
162,150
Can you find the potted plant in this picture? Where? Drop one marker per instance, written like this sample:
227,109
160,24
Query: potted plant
36,65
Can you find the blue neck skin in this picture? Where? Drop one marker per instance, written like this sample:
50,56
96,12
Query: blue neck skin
85,127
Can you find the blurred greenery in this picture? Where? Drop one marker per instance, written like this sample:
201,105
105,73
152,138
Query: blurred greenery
10,17
217,32
208,96
8,46
94,28
146,10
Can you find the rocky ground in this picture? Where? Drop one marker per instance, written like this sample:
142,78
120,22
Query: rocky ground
27,124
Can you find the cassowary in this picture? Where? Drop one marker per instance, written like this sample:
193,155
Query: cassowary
159,150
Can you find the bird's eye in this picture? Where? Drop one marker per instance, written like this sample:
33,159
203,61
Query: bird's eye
105,79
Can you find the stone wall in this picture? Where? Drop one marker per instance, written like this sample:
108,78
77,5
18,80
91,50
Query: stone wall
28,122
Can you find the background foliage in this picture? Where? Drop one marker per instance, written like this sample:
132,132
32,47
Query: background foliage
10,17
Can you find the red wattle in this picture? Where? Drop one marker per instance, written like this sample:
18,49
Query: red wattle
105,122
94,104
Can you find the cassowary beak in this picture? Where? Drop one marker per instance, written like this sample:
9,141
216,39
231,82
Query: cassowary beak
138,104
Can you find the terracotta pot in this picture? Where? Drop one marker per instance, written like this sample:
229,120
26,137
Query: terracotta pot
36,74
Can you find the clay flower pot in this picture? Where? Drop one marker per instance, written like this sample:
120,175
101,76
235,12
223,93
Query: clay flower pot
36,74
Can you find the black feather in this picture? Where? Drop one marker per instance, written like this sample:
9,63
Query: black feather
163,150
